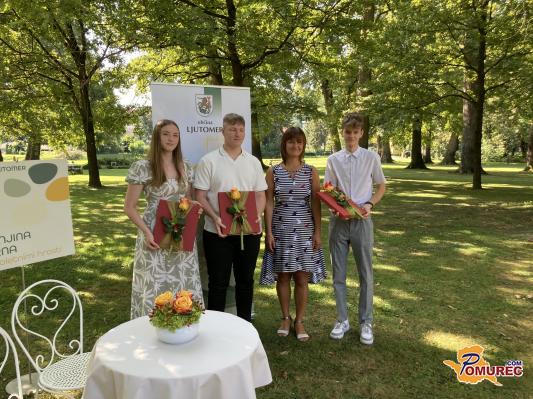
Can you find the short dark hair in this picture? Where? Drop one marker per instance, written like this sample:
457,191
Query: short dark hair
290,134
353,120
233,119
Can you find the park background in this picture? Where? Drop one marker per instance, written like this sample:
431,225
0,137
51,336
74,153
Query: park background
445,90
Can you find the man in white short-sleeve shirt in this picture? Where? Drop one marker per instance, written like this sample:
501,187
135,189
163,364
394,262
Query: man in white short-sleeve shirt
355,171
219,171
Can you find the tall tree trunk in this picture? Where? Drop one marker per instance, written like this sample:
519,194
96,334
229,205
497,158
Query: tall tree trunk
238,70
1,157
90,138
364,74
236,64
475,54
256,145
529,157
386,156
215,69
417,162
427,155
467,142
523,148
451,149
327,94
379,140
33,152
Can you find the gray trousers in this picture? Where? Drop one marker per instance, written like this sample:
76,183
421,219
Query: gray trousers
359,234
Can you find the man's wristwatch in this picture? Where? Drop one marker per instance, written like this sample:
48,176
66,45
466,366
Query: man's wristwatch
371,204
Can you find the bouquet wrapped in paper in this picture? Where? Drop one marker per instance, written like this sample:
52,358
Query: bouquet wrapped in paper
175,224
238,212
339,202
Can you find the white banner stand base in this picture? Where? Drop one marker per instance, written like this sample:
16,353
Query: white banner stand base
27,386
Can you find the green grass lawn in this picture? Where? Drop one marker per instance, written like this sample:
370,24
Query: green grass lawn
453,267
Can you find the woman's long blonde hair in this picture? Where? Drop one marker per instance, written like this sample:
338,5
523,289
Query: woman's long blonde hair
154,155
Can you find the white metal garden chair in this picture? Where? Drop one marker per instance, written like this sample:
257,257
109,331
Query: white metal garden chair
10,346
58,371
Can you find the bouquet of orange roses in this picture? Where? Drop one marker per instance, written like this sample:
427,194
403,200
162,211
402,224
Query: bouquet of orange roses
339,202
175,311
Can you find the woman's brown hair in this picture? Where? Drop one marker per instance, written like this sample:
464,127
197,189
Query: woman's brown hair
290,134
154,155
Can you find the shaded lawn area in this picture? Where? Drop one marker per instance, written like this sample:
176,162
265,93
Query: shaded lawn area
453,267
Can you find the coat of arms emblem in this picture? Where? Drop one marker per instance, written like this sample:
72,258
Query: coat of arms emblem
204,104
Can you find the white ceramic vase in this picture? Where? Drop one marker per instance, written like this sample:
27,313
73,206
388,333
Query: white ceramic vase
179,336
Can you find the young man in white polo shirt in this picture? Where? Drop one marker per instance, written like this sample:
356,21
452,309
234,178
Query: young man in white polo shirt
218,171
354,170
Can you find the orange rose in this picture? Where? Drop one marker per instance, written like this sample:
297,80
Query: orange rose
328,187
184,204
183,304
184,293
235,194
163,299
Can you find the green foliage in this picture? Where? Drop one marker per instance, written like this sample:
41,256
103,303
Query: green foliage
167,318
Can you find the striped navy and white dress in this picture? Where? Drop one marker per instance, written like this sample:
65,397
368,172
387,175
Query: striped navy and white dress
293,228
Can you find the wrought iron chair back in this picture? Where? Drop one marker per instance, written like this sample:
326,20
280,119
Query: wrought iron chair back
10,346
38,305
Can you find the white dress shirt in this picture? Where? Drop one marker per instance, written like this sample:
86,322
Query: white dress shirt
217,172
355,173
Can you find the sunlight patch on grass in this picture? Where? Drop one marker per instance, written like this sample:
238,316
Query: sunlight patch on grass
389,268
472,250
521,273
449,341
420,253
402,294
422,195
115,277
451,269
86,295
381,303
428,240
392,232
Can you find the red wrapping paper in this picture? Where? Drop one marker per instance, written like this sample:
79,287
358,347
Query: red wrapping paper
225,202
189,231
332,204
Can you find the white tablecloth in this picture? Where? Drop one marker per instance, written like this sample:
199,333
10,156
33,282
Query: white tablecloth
226,361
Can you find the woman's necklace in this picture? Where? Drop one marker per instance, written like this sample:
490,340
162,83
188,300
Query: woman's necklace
292,171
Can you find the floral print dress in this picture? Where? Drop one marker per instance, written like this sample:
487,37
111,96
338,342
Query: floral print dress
157,271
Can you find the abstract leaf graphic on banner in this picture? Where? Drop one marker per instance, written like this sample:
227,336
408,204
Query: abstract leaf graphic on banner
35,212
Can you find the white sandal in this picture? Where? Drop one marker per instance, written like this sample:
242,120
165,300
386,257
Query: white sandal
284,332
302,337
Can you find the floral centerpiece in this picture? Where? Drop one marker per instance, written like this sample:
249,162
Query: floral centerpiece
176,317
335,199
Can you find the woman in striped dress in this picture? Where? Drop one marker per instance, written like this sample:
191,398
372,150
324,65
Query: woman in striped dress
292,218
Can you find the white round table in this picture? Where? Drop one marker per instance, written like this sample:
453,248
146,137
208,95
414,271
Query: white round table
226,361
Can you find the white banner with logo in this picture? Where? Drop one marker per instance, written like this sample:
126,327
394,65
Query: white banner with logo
35,218
198,111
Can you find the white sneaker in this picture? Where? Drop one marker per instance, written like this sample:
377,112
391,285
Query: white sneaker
366,336
339,329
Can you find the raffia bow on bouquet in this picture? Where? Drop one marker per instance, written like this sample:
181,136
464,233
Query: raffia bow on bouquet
175,225
238,211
